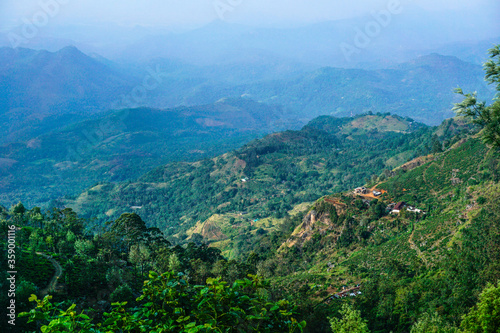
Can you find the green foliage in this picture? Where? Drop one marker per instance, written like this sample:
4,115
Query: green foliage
350,321
488,117
35,268
130,227
280,171
432,324
24,289
84,247
140,255
409,265
436,145
170,304
378,209
55,320
173,262
481,200
485,316
123,293
127,143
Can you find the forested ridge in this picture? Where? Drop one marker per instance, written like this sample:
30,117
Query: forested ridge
268,177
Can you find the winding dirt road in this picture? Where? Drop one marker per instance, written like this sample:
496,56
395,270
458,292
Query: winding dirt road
53,282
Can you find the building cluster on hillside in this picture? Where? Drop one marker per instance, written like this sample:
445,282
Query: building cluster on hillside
364,190
395,208
348,292
361,190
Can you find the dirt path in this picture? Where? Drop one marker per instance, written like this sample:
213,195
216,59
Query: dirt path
53,282
416,248
425,171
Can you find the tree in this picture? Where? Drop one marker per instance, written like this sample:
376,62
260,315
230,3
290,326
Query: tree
487,117
156,239
485,316
196,238
130,227
84,247
378,209
36,240
23,291
140,255
432,324
123,294
351,321
18,212
50,243
174,263
436,145
114,276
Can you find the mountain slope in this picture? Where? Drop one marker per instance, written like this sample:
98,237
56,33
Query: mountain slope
266,177
122,145
435,260
42,91
50,82
37,84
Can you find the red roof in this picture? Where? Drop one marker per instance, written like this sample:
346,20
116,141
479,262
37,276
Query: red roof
399,205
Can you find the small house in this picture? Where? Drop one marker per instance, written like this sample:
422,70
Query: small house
414,210
397,208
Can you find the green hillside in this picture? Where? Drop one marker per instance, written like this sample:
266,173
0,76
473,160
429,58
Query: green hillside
399,270
267,177
123,145
408,263
373,223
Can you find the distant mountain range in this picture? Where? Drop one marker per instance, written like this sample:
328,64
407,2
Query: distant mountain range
56,82
421,89
406,34
41,90
37,85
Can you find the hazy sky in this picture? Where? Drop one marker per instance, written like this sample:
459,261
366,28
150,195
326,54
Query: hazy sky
168,13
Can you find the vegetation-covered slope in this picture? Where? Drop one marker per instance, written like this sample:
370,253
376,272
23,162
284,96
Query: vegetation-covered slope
409,263
267,177
415,250
413,270
39,86
122,145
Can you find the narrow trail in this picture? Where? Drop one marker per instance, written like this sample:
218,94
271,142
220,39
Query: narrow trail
53,282
416,248
425,171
